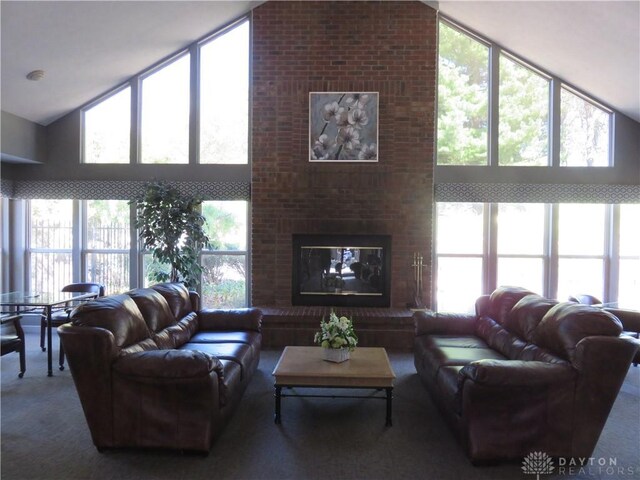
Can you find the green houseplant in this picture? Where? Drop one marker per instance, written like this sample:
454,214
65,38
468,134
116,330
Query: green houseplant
172,228
337,338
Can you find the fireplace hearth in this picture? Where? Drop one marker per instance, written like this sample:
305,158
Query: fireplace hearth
341,270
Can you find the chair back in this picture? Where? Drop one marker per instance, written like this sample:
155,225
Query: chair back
10,327
85,287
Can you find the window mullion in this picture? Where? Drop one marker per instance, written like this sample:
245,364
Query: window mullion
490,246
77,242
194,102
612,258
494,111
552,236
554,124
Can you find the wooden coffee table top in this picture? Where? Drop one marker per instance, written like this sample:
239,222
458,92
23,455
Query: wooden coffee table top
304,366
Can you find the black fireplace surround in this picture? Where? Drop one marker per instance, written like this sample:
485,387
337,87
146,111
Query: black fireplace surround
341,270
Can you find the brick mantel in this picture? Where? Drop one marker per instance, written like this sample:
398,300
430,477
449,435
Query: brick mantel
301,47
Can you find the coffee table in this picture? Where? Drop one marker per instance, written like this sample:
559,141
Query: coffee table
368,368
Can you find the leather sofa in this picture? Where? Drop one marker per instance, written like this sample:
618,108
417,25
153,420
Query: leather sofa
154,370
523,374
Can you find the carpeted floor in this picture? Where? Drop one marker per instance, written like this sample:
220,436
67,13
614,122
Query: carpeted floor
44,435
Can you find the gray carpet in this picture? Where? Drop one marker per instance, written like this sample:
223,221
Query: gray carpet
44,435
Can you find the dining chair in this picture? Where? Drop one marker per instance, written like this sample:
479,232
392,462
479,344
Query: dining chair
12,339
60,317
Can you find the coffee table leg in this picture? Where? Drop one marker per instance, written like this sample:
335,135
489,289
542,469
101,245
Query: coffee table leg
277,415
389,398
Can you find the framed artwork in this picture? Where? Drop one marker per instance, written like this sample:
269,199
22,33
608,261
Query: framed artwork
343,126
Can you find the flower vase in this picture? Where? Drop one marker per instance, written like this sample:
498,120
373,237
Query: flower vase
336,355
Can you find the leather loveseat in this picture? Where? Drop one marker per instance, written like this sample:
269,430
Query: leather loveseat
523,374
153,370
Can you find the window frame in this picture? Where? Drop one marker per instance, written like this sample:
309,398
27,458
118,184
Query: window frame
556,84
610,256
135,83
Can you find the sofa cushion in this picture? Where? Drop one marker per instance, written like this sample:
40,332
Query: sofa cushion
240,353
177,335
502,301
436,356
567,323
527,314
117,313
248,337
499,338
177,296
154,308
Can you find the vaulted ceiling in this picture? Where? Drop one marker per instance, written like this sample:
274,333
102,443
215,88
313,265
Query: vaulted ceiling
89,47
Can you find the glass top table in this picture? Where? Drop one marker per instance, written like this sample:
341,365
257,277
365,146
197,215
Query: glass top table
16,302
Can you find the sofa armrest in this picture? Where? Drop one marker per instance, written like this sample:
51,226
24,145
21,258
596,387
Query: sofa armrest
630,319
90,352
434,323
517,373
152,365
231,319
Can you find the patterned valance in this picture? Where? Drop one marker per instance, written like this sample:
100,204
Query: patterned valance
118,190
536,193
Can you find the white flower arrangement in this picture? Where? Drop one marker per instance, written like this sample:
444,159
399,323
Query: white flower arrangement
337,332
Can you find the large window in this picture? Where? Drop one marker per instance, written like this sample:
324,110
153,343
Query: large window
553,250
224,97
106,247
224,279
581,250
463,99
172,104
509,124
50,245
584,132
165,114
460,250
225,263
107,129
629,245
78,241
524,115
521,245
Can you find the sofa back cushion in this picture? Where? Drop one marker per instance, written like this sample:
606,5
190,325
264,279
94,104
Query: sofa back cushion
177,296
178,334
565,324
502,301
527,314
117,313
499,338
154,308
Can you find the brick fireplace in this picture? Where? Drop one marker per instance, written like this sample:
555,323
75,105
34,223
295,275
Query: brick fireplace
302,47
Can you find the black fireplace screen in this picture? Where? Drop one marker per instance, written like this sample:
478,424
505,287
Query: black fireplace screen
341,270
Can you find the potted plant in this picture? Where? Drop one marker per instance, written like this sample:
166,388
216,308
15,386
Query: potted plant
337,337
172,228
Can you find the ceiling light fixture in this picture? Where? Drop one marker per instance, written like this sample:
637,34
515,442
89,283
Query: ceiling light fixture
35,75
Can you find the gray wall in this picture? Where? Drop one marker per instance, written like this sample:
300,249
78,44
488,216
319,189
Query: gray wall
22,140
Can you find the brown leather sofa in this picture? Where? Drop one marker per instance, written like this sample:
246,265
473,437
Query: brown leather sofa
523,374
153,370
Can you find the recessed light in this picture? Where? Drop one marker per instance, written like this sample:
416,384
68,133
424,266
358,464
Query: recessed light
35,75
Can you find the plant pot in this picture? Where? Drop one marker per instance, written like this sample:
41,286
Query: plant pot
335,355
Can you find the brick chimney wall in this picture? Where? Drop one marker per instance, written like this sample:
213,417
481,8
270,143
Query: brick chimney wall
308,46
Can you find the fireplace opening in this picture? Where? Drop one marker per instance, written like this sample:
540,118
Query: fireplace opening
341,270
